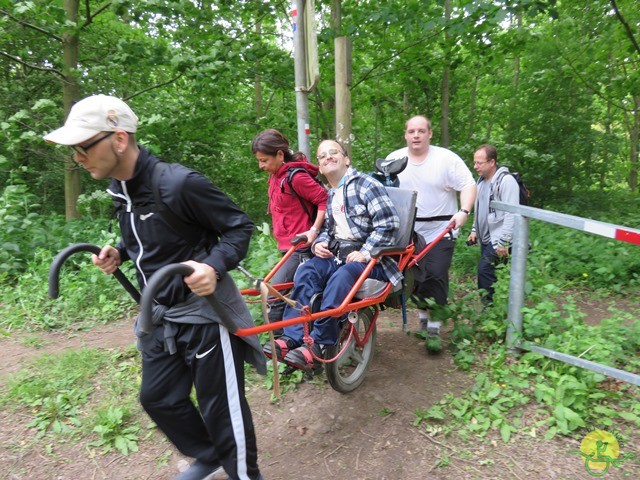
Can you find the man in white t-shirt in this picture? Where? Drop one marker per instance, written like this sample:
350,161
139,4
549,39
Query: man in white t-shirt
437,174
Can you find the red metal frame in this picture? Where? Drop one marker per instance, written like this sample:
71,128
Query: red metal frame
407,260
347,304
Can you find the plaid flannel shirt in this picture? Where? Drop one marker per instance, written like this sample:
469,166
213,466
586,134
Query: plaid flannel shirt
371,216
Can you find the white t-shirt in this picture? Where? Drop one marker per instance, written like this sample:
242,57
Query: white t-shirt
343,231
437,180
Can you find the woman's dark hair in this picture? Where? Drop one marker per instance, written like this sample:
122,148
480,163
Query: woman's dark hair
271,141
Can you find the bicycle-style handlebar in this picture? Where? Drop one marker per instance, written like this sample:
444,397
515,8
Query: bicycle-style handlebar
145,323
58,261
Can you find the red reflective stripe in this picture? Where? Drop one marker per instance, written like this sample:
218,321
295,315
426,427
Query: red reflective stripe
625,236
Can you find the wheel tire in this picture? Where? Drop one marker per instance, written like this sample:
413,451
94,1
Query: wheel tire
349,371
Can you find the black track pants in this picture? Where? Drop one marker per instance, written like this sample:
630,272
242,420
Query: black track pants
221,430
432,275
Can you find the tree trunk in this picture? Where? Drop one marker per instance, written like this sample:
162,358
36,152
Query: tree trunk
512,126
634,144
472,108
257,85
70,93
444,118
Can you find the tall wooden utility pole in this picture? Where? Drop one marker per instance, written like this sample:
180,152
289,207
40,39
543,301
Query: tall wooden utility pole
342,47
343,92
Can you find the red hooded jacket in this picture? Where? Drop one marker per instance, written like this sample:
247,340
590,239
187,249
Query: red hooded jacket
288,216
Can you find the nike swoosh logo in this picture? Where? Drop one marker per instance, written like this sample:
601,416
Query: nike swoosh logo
144,217
200,355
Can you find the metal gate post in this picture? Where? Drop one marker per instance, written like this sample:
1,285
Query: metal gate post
517,282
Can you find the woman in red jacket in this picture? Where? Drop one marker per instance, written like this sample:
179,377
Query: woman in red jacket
297,202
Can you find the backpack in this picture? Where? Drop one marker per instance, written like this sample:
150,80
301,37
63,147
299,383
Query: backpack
311,212
524,191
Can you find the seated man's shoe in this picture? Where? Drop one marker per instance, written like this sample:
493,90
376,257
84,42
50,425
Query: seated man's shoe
305,358
434,342
283,345
199,471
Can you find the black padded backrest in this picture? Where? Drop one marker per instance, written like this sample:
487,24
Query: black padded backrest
405,203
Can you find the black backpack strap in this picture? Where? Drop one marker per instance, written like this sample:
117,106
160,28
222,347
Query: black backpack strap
292,172
182,228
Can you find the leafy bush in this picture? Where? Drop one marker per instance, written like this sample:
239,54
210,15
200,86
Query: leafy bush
568,398
114,432
97,204
30,241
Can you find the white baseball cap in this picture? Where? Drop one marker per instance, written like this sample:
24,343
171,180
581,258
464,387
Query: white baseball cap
91,115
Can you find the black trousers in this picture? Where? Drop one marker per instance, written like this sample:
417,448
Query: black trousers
487,264
220,430
431,277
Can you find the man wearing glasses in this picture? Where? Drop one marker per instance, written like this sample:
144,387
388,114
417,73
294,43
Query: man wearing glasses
437,174
188,347
492,228
360,216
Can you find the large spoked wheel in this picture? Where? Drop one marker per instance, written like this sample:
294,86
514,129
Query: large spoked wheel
348,372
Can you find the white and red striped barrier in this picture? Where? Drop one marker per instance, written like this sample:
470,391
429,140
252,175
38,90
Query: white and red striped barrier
612,231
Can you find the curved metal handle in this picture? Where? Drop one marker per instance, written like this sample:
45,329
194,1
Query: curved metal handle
298,239
56,265
157,280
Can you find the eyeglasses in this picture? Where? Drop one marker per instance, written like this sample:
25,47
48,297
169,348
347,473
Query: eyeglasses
331,151
478,164
85,150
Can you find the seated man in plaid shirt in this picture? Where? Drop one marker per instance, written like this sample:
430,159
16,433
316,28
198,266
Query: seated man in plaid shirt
360,216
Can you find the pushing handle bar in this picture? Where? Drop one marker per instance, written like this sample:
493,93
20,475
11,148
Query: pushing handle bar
56,265
145,323
298,239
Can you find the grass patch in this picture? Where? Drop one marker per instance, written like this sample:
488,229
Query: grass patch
80,393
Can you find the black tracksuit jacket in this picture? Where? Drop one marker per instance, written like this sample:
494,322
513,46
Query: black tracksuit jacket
151,242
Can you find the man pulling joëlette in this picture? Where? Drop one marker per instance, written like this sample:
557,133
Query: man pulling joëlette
189,347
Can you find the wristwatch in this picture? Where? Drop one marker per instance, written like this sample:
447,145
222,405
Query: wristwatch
464,211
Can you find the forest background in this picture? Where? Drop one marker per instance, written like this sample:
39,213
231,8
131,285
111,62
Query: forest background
555,85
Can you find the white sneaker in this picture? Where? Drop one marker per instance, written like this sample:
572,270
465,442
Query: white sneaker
433,328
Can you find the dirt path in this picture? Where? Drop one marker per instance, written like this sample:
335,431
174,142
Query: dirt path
313,432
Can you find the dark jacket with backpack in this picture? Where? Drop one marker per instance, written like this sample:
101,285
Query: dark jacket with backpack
294,198
150,241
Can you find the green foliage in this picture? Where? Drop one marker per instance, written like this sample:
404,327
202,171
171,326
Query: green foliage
97,204
23,229
87,296
55,390
567,399
288,380
30,241
111,426
262,257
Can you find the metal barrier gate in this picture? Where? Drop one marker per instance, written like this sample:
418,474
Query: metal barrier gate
519,251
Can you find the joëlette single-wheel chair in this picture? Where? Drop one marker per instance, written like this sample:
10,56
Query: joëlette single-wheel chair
347,362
